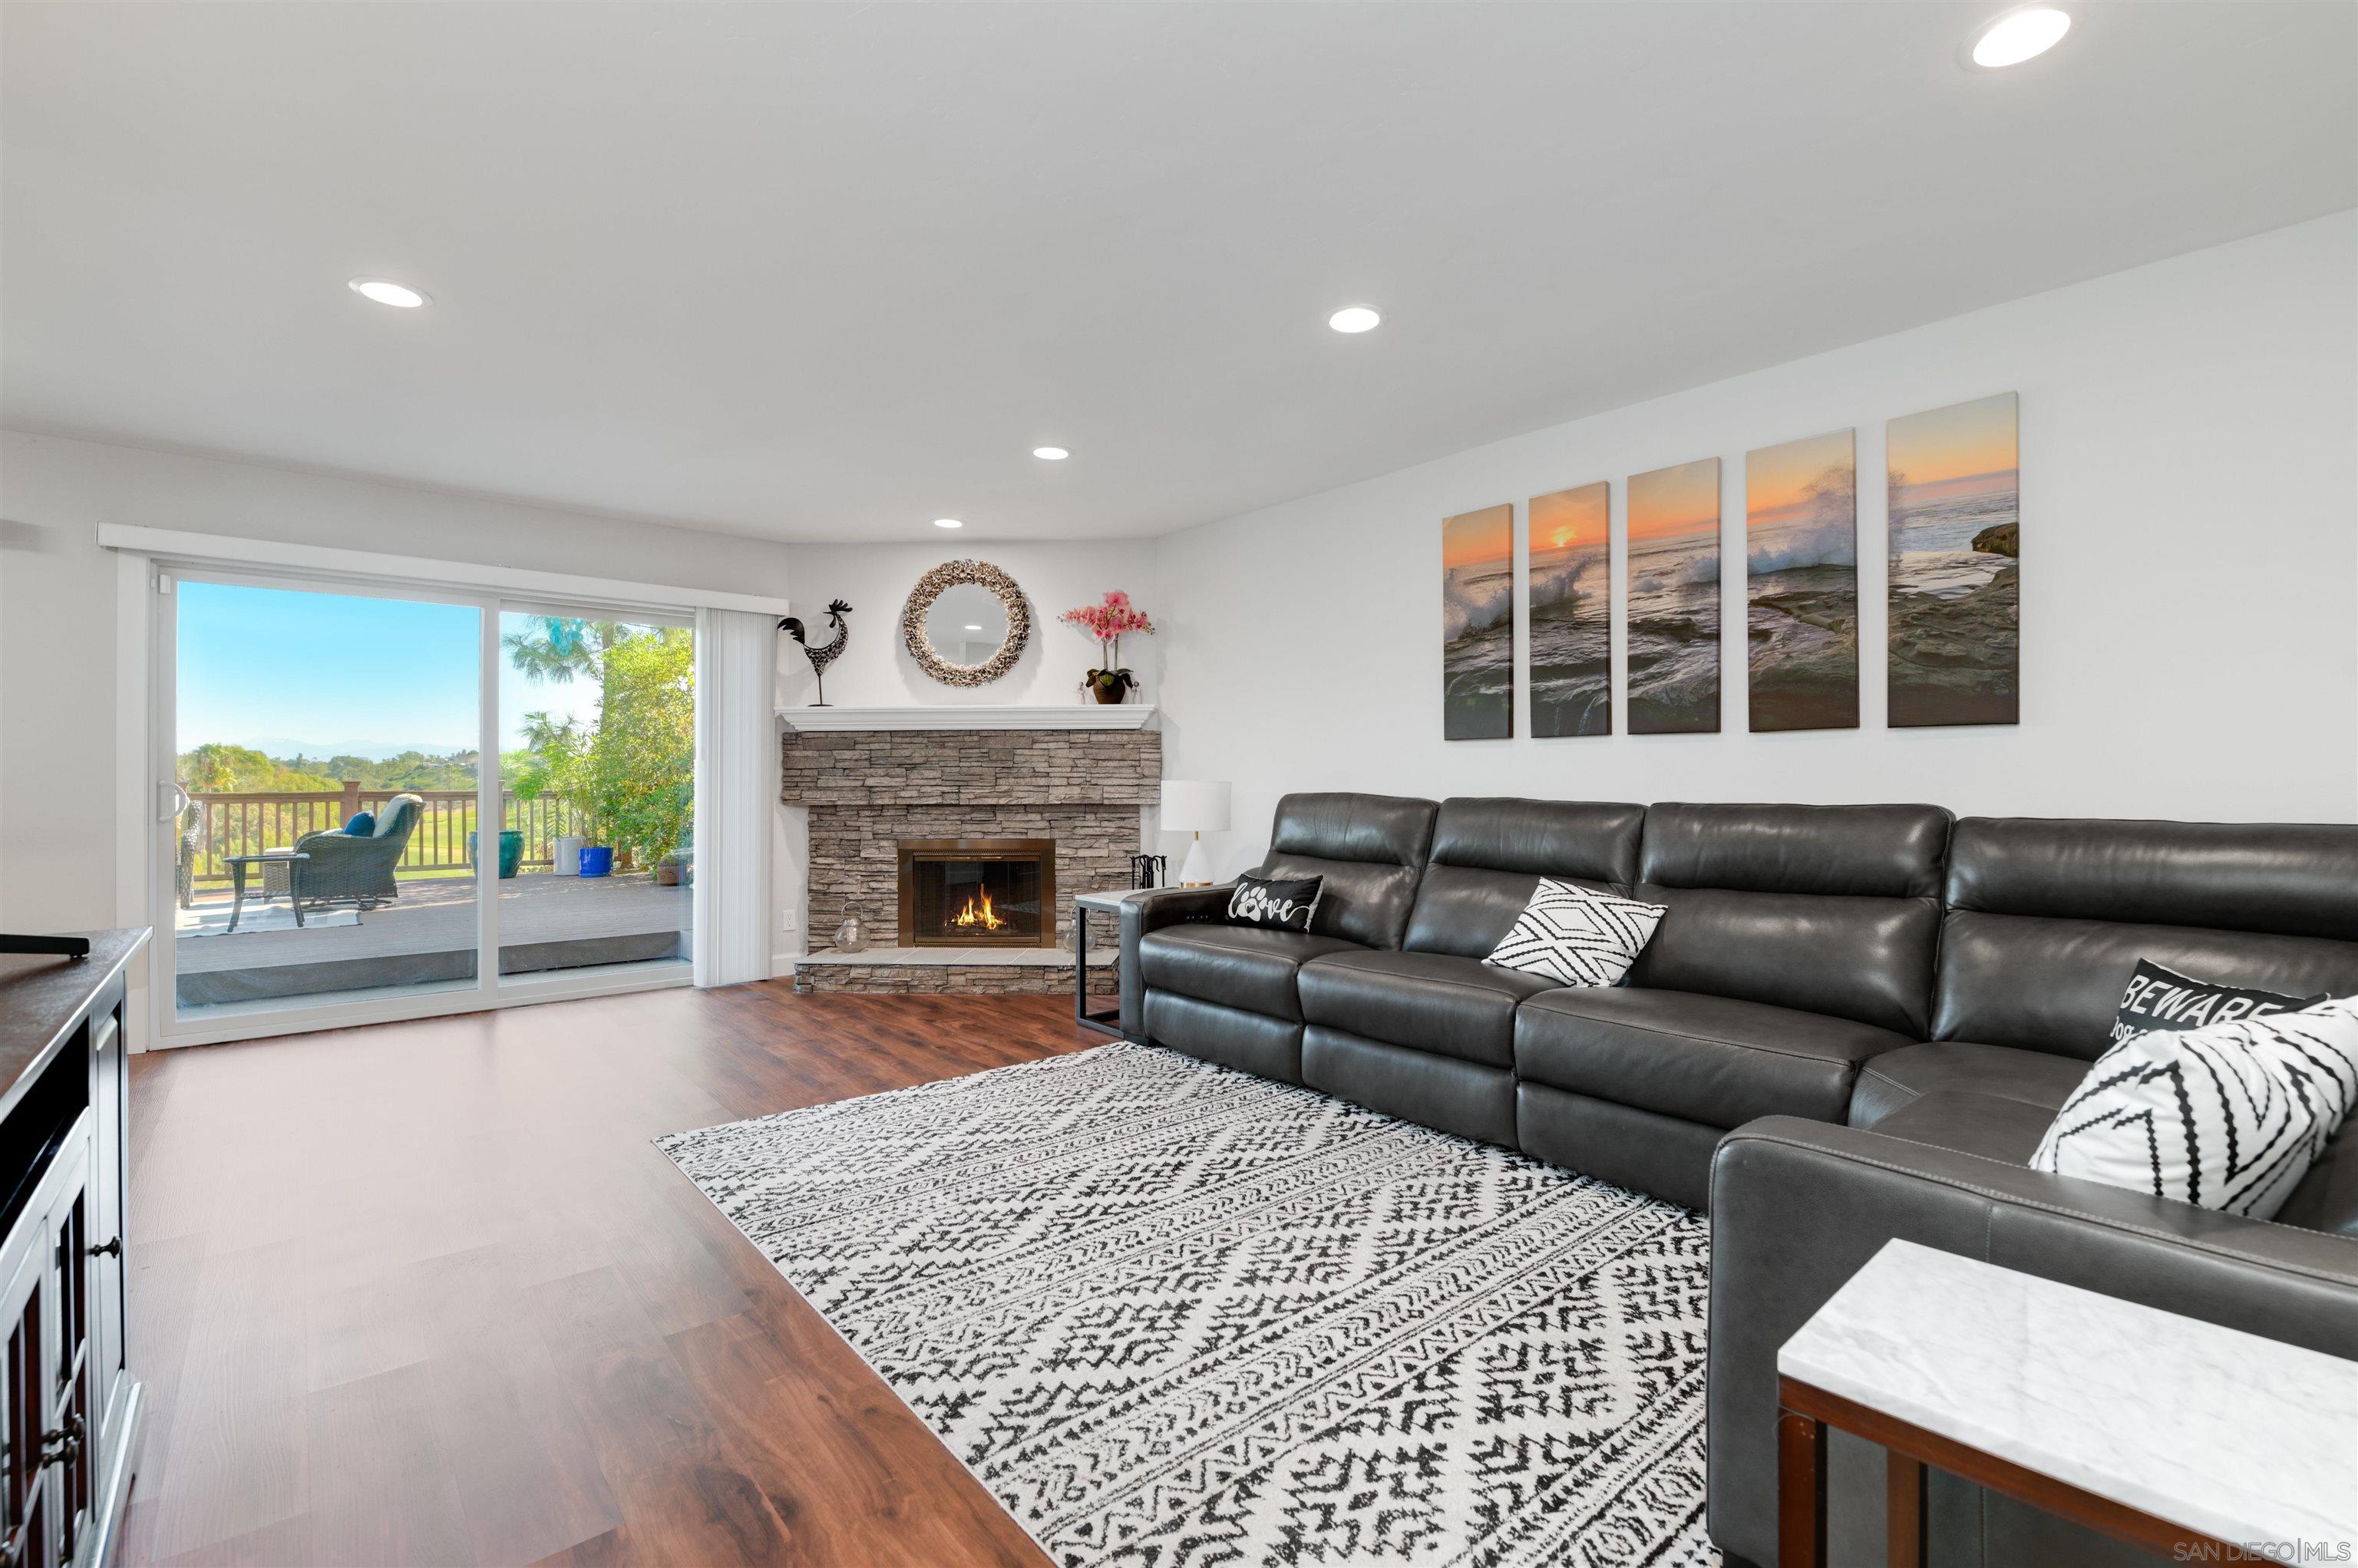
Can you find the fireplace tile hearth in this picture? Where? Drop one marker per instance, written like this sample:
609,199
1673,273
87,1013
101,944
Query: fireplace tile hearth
995,971
1027,957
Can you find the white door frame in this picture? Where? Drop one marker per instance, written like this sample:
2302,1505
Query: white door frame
146,692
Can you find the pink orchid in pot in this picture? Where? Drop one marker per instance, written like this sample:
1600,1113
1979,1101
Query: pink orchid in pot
1106,620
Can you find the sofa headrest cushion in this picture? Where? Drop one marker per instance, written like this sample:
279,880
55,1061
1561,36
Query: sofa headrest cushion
1861,851
2283,879
1379,830
1592,840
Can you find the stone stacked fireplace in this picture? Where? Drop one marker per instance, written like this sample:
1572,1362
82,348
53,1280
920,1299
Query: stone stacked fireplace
883,802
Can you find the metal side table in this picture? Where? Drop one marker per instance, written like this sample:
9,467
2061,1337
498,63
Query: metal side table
1084,905
238,866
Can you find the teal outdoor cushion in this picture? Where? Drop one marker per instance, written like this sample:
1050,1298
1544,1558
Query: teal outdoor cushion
362,825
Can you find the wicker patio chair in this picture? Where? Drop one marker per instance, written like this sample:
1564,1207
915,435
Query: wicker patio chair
193,850
346,870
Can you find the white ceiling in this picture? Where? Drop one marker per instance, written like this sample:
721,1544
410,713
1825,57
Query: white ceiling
831,271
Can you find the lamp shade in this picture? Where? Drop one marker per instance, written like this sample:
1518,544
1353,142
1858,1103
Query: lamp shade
1195,806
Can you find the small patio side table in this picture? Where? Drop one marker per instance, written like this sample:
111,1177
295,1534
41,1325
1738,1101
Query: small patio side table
1084,905
237,865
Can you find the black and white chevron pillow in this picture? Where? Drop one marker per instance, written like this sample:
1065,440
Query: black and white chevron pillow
1579,938
2230,1116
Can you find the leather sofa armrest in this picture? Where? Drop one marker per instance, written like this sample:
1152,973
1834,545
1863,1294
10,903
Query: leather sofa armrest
1798,1206
1151,910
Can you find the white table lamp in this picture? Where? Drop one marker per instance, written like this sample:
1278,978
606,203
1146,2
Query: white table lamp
1196,807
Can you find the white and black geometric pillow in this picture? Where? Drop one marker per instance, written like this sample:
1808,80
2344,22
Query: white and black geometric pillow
2227,1117
1278,903
1582,938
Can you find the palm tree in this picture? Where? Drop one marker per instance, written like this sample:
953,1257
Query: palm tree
556,648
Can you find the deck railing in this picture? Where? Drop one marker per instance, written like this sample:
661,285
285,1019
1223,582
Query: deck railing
231,823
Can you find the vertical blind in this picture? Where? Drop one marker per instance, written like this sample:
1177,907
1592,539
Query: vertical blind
736,679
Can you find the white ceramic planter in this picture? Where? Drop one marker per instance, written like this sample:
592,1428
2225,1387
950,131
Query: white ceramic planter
568,857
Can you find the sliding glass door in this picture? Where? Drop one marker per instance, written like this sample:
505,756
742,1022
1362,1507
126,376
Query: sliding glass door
598,752
326,759
328,755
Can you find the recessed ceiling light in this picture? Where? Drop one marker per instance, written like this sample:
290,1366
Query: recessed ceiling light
947,523
385,291
974,628
1052,454
1354,318
2020,35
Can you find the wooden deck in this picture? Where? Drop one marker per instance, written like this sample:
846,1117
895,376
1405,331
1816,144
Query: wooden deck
429,935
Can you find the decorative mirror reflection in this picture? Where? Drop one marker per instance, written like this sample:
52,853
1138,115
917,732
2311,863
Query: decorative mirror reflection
966,624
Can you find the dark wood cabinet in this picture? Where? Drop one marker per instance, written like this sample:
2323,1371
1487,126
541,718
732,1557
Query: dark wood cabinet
48,1443
69,1405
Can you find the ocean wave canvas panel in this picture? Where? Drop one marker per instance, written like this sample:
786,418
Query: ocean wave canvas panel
1477,624
1571,612
1672,599
1954,541
1801,529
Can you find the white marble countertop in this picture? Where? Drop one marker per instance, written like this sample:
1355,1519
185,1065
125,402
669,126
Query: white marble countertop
1109,900
2242,1438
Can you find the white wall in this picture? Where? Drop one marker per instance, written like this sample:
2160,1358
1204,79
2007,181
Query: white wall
57,615
2190,510
2189,482
876,668
58,750
877,671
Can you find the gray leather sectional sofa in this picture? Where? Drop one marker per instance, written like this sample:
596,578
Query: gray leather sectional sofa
1854,1024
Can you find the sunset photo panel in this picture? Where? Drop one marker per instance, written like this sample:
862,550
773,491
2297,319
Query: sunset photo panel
1672,591
1571,612
1800,532
1953,539
1477,624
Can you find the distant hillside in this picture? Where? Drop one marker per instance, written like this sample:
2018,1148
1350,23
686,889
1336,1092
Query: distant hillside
217,768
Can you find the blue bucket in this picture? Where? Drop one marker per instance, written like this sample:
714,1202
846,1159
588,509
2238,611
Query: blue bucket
597,862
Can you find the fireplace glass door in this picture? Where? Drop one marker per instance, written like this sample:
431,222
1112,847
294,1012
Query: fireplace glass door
976,892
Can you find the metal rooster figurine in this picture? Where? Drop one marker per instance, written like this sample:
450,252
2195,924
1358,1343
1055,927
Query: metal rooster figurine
822,657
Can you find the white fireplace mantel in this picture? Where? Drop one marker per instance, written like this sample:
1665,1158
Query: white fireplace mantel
970,716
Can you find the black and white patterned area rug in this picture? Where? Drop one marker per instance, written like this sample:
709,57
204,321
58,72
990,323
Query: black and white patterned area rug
1172,1315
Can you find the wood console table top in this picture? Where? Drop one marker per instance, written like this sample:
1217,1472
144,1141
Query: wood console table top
41,998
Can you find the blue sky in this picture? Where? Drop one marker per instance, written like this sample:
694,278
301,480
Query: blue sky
330,673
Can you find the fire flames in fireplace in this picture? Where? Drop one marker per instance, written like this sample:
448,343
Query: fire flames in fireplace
976,914
977,892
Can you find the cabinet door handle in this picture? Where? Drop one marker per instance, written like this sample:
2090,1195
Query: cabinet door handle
62,1446
111,1247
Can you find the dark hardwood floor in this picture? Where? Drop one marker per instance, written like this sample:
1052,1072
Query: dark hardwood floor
426,1293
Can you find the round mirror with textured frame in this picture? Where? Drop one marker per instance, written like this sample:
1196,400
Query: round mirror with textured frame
933,641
